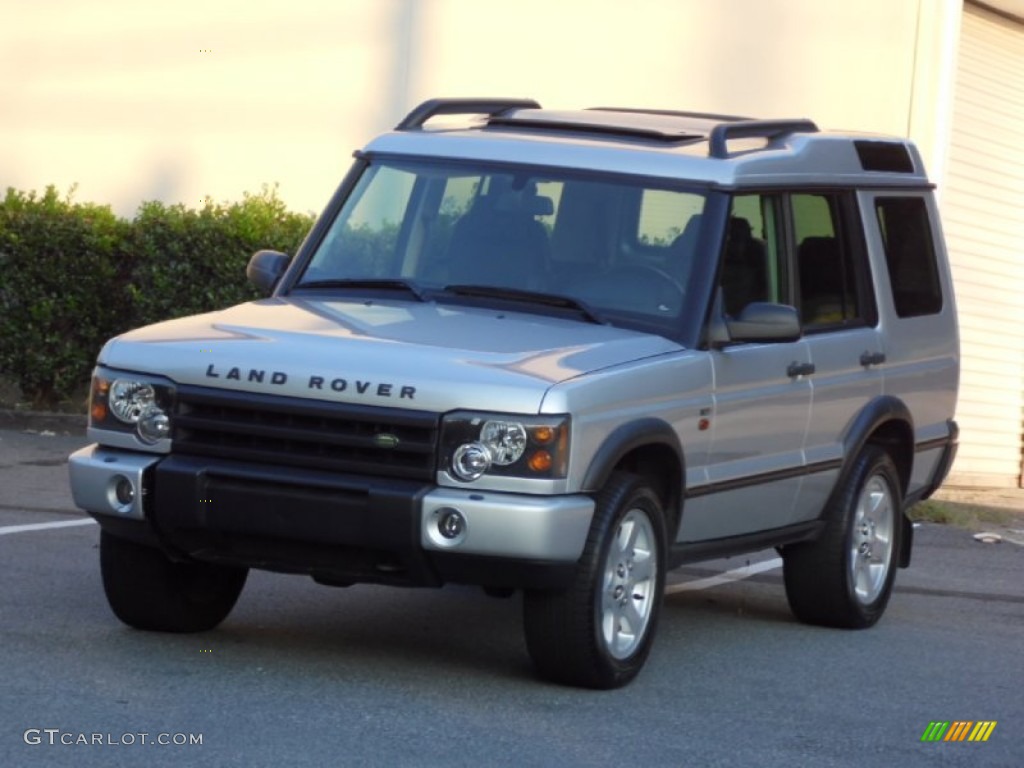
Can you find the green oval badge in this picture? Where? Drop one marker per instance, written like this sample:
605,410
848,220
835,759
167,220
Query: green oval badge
384,440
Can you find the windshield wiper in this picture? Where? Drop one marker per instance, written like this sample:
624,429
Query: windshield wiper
528,297
385,283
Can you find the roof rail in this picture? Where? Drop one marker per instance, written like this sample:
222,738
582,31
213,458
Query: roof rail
718,142
433,107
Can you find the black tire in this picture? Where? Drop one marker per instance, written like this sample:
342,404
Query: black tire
844,578
147,590
582,635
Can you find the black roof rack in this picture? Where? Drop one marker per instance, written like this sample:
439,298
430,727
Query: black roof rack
728,126
718,142
463,106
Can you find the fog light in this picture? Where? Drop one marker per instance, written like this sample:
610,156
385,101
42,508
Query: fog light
470,461
450,523
124,491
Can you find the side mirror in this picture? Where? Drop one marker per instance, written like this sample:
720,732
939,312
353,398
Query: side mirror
763,321
265,269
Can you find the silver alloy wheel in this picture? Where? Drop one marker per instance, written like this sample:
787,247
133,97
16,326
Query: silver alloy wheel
872,540
627,593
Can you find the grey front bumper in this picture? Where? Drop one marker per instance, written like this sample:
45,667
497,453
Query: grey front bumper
95,474
552,528
504,525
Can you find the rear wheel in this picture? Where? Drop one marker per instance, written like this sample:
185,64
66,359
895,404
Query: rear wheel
598,632
844,579
147,590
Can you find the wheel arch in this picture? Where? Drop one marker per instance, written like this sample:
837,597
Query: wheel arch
886,422
649,448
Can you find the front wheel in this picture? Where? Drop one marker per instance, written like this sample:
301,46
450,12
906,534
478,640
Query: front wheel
148,590
598,632
844,579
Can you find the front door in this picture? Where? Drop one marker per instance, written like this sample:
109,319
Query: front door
762,392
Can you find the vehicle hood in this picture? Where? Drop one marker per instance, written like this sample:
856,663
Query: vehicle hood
422,356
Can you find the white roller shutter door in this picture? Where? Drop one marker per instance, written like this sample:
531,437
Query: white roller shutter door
983,212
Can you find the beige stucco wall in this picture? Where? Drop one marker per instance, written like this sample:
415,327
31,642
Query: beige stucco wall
137,101
179,101
846,64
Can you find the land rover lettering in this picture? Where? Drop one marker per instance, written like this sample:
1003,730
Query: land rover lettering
382,389
253,374
358,386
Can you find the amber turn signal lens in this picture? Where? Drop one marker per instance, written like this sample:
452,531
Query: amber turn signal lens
540,461
543,435
98,412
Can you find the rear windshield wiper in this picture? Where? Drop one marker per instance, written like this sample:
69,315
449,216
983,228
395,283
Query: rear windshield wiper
528,297
385,283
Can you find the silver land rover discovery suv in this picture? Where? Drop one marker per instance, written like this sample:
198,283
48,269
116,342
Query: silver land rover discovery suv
561,352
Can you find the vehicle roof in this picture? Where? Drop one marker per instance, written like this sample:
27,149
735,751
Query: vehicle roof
720,150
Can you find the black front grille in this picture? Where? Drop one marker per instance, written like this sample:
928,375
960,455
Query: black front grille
355,439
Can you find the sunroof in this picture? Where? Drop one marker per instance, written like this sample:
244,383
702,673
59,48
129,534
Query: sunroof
630,125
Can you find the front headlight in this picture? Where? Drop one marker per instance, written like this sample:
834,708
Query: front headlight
475,444
131,403
130,398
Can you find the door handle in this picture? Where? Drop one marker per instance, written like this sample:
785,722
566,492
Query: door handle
799,369
872,358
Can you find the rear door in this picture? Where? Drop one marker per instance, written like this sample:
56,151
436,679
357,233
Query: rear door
835,298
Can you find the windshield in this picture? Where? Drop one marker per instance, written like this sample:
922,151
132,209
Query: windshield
620,249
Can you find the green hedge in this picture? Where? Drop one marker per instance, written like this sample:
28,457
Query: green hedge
73,274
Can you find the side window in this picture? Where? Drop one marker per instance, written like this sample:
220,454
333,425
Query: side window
909,255
826,273
752,267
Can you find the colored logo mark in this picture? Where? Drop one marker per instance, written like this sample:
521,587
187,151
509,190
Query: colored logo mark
958,730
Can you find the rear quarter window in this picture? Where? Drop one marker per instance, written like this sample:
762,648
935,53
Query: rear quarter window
909,255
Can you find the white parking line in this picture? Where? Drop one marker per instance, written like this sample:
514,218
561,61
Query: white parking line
724,578
44,526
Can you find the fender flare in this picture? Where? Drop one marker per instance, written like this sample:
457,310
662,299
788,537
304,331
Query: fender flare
877,413
627,438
